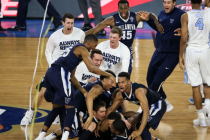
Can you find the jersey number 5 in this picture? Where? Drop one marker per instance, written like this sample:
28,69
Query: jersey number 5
199,24
127,35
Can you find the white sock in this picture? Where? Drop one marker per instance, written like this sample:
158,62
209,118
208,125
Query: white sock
200,114
65,135
41,135
207,102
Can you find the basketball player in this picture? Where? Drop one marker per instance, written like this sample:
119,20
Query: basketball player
58,82
195,32
165,57
153,106
99,110
57,43
207,4
124,19
83,75
60,40
116,55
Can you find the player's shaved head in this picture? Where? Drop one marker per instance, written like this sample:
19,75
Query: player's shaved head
196,1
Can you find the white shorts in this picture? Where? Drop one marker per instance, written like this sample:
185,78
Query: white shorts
197,62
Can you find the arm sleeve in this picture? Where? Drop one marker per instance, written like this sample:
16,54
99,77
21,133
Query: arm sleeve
151,23
79,72
126,60
82,37
49,50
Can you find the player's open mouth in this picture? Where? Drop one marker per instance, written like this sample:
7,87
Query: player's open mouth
121,89
69,29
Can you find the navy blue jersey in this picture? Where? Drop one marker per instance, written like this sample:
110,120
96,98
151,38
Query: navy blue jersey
80,100
128,26
69,60
152,96
127,135
167,42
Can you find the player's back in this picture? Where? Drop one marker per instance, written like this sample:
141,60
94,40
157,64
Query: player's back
198,28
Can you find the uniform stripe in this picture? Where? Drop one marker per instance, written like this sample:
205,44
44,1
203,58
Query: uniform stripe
160,86
157,109
64,81
69,83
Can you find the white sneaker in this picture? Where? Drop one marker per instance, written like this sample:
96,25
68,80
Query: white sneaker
169,106
207,121
199,122
206,110
56,121
41,136
52,136
27,118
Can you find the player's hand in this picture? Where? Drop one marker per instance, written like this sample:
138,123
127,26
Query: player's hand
85,94
92,79
179,33
134,134
128,125
97,129
160,28
92,127
88,122
143,15
181,62
113,80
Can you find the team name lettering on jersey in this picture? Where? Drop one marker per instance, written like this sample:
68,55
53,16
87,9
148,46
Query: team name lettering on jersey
111,58
128,27
85,77
66,44
199,15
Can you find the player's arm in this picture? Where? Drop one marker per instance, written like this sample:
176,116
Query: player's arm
95,91
183,40
107,22
76,83
49,50
85,56
115,104
154,23
142,15
140,95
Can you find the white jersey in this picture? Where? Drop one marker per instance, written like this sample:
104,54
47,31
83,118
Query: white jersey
208,11
58,42
82,73
198,29
116,60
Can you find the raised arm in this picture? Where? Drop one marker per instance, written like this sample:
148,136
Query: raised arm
183,40
49,50
140,95
115,105
154,23
93,93
107,22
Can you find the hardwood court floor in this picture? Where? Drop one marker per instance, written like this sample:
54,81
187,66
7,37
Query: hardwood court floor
17,61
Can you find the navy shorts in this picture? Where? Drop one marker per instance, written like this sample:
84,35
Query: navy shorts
57,81
157,110
42,84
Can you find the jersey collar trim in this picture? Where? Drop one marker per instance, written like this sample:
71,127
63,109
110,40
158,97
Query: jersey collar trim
124,19
95,119
126,136
129,97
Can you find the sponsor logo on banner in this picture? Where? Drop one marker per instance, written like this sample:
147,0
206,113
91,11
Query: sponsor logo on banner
187,6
